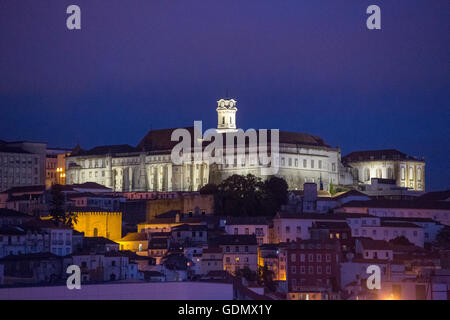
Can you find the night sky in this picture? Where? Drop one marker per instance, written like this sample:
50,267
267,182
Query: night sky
306,66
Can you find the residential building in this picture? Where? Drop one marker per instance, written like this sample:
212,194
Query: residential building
55,165
436,210
211,260
239,252
22,163
187,235
259,226
313,266
377,228
135,242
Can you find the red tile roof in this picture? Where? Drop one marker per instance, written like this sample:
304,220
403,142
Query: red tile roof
369,155
400,204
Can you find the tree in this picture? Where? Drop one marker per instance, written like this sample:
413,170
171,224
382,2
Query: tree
247,274
332,189
400,241
443,237
239,196
265,278
209,188
277,189
58,213
248,196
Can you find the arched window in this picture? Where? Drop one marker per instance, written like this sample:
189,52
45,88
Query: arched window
389,173
367,174
379,173
223,120
411,173
419,173
231,120
403,173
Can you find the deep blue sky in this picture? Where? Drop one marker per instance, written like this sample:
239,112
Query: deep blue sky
307,66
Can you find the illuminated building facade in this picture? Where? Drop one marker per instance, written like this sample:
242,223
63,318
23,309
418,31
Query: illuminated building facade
98,223
406,171
148,166
239,252
22,163
55,165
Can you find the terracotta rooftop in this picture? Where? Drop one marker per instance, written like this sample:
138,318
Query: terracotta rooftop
369,155
402,204
370,244
159,140
247,221
135,236
12,213
25,189
319,216
231,239
111,149
349,193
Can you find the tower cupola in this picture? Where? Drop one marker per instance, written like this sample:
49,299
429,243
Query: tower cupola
226,113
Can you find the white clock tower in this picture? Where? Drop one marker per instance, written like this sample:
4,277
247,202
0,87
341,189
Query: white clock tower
226,112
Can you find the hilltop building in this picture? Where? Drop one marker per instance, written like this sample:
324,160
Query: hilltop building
148,166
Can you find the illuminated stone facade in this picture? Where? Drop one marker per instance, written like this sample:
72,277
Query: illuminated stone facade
55,165
95,223
148,166
405,170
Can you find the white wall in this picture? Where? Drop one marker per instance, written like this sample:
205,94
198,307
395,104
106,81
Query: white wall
123,291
